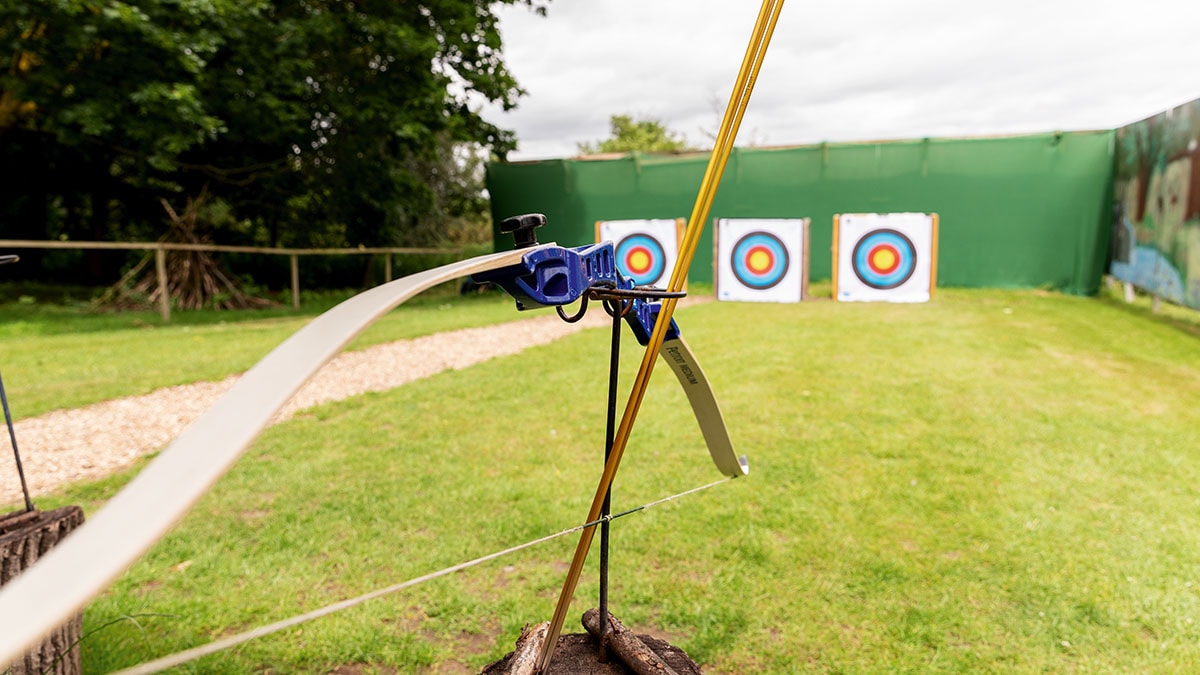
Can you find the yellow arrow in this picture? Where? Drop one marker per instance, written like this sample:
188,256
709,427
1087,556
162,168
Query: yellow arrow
756,50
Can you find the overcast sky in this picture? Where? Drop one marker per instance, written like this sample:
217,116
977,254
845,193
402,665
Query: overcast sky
847,70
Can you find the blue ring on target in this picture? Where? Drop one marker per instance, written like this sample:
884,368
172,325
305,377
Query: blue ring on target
894,248
655,259
748,248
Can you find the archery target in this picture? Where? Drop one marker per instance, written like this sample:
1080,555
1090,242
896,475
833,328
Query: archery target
645,249
884,259
889,257
761,259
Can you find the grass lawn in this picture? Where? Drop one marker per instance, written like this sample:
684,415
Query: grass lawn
1003,481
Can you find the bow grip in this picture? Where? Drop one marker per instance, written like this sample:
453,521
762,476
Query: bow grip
553,275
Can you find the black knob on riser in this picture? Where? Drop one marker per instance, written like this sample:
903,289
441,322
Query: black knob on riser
523,228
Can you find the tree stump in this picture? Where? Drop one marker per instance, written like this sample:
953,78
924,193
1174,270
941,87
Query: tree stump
580,653
26,536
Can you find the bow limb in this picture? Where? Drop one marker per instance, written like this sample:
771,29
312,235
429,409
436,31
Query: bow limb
682,361
83,564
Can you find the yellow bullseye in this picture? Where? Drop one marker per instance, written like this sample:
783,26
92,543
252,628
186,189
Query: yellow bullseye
639,261
883,259
759,261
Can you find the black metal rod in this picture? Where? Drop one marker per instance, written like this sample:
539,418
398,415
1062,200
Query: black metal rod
12,434
609,433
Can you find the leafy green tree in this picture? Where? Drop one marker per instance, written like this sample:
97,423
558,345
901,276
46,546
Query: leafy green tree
641,135
312,121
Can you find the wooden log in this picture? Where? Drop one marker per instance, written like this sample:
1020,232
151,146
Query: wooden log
26,536
524,658
632,652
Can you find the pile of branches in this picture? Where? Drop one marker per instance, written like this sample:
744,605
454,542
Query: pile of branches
194,278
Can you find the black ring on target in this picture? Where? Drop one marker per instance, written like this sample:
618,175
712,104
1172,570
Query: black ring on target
759,260
884,259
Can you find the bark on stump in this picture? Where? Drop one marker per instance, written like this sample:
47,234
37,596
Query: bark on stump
26,536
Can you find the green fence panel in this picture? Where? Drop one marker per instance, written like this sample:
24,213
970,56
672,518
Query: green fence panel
1025,211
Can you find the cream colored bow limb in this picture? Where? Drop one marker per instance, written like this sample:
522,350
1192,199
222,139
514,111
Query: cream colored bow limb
764,27
83,564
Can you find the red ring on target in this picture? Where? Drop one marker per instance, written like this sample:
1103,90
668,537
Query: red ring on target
883,259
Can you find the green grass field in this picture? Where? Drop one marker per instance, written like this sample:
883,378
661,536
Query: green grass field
997,481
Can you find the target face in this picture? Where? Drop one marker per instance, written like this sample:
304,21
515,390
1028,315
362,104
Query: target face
761,259
884,259
641,258
645,249
887,257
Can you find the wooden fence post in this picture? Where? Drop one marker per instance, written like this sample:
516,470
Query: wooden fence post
387,267
164,298
295,281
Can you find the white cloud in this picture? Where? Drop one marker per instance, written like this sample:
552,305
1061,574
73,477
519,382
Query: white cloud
851,70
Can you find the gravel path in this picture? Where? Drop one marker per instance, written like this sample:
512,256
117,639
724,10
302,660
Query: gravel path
65,446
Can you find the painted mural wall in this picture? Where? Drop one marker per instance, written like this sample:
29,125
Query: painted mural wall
1156,213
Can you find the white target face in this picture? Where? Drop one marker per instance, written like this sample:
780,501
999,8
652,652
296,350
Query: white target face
645,249
885,257
761,259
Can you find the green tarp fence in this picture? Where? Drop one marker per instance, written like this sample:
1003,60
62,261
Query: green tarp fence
1015,212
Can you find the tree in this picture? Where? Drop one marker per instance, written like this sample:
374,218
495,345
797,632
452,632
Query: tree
99,99
314,121
642,135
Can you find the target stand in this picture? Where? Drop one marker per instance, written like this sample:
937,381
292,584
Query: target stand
761,259
884,257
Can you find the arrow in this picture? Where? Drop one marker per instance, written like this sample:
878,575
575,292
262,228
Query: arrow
756,50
